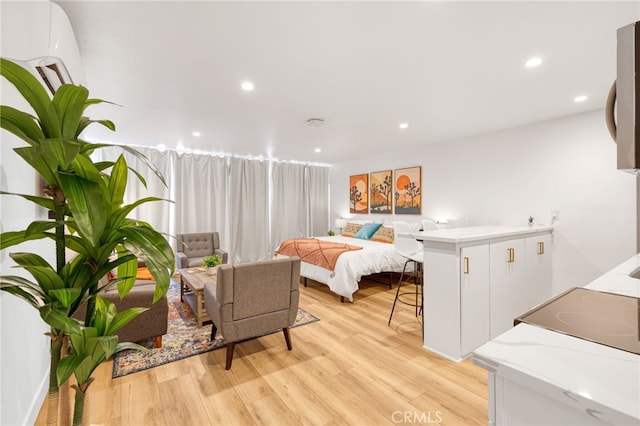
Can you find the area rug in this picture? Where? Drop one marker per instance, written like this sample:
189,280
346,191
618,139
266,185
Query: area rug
183,338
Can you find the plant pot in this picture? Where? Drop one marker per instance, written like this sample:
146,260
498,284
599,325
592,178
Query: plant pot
211,270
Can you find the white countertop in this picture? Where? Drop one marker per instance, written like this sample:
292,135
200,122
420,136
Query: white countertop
597,379
475,233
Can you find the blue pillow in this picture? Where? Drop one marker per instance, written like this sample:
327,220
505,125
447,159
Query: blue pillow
367,231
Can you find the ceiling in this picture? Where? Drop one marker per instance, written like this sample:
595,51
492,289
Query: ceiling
448,69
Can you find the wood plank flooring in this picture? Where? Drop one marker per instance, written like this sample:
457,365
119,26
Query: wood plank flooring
349,368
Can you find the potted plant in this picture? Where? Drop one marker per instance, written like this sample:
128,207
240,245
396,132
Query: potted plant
90,218
210,262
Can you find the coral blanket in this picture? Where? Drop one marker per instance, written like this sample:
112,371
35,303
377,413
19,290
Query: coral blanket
311,250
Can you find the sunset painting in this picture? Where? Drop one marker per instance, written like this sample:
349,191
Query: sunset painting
358,194
381,192
408,191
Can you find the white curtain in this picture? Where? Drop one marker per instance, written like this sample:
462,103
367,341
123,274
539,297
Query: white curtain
253,204
201,183
249,210
288,202
317,190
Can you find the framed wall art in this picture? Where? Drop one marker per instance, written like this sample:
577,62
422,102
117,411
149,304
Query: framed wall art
381,192
408,190
358,194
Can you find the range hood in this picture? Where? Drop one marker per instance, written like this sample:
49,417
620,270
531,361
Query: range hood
625,95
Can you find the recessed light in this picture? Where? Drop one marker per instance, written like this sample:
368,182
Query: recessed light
580,98
196,134
247,85
317,150
533,62
404,125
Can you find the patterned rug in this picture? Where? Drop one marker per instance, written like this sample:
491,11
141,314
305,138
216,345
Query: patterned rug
183,338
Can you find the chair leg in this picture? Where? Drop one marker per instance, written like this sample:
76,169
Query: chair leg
158,341
214,330
230,347
397,292
287,338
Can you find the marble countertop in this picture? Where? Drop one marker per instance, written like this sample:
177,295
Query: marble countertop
600,380
476,233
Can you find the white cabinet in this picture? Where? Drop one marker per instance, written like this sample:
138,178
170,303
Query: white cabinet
508,289
477,280
474,297
538,269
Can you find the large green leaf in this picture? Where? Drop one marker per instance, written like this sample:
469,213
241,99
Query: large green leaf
36,160
118,216
12,238
127,275
123,318
35,94
57,318
41,201
61,151
118,181
87,204
38,227
24,289
150,246
46,277
21,124
66,367
84,167
84,122
66,296
69,101
29,259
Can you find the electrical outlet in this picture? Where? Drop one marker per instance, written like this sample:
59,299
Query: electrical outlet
555,215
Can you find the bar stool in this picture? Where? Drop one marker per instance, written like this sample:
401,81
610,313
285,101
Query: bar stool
413,251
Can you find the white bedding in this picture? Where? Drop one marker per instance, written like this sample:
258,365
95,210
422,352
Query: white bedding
351,266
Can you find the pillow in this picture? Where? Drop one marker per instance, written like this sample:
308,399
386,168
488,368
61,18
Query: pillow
367,231
351,229
383,235
143,274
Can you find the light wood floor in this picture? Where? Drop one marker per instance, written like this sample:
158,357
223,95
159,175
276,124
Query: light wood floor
349,368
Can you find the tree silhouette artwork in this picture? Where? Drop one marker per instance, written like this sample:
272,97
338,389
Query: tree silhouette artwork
380,189
408,190
355,196
412,191
385,190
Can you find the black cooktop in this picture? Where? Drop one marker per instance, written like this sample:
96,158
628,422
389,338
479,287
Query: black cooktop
605,318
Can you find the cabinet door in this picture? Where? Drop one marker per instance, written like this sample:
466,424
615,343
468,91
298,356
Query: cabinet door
474,298
538,269
508,289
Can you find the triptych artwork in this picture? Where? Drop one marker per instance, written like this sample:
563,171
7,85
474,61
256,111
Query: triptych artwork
386,192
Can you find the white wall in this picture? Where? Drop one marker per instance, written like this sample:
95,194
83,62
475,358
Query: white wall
24,353
502,178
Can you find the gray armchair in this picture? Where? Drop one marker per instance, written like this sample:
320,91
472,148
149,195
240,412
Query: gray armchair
252,299
192,248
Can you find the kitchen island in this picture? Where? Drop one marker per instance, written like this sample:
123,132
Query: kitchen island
539,376
477,280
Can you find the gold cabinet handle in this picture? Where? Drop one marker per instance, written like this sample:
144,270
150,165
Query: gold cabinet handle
466,266
512,255
541,247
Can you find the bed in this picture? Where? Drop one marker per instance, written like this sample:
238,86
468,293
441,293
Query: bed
351,266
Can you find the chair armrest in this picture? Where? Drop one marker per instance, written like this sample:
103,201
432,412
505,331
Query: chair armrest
223,254
181,260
